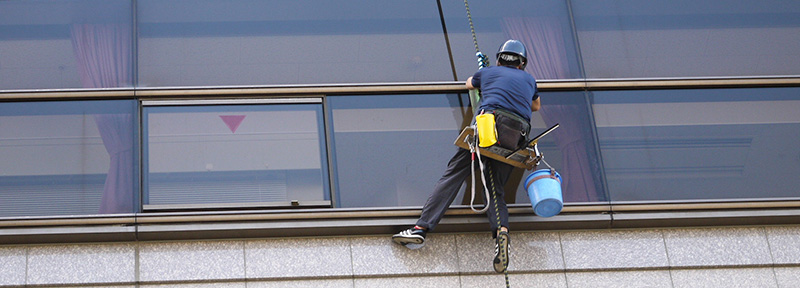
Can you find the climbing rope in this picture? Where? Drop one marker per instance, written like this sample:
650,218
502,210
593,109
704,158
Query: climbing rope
475,97
471,27
497,212
482,60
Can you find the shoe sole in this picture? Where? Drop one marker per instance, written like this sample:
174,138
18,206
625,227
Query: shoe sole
501,260
407,240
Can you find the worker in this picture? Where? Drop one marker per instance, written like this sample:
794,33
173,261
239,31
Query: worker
511,95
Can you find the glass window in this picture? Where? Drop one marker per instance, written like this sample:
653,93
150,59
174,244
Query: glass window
544,27
688,38
68,158
571,149
256,42
391,149
700,144
65,44
235,154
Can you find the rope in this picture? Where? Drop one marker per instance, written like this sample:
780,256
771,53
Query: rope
471,27
483,61
497,211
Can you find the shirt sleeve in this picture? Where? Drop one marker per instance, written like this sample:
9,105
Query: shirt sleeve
476,79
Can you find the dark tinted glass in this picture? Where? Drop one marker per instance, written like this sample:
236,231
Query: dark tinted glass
219,156
688,38
700,144
256,42
391,150
571,149
68,158
543,26
65,44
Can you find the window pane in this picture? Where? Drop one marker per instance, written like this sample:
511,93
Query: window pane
256,155
68,158
256,42
65,44
571,149
700,144
391,149
543,26
686,38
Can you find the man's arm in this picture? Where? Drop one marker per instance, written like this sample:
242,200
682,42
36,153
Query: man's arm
469,83
536,104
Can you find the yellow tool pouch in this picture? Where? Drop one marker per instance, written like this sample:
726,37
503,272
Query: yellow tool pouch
487,134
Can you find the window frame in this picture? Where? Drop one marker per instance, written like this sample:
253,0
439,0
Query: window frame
324,150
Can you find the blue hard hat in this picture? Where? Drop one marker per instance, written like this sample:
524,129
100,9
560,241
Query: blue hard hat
516,48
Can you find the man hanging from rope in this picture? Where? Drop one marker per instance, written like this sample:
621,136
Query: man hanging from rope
510,94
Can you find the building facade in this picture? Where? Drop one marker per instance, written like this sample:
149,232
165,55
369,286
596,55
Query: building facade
249,143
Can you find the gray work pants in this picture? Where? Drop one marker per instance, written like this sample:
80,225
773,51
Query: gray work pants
445,191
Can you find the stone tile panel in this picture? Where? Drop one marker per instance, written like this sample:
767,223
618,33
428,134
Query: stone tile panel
614,249
381,256
717,247
82,264
303,257
191,260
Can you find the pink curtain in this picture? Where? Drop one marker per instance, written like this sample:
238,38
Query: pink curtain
547,53
117,133
544,39
103,54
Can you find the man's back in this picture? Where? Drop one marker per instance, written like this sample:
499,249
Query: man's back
506,88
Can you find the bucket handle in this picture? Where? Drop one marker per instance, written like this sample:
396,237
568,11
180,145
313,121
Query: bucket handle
552,176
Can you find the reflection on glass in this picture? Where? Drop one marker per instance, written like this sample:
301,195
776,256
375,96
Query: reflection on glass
67,158
688,38
543,26
571,148
257,42
66,44
391,150
700,144
257,155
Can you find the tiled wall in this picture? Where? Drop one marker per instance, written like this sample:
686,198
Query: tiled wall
686,257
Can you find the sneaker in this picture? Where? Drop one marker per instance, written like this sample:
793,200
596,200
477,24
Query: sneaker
501,252
410,236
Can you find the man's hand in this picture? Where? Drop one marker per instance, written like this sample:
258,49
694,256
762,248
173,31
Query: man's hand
536,104
469,83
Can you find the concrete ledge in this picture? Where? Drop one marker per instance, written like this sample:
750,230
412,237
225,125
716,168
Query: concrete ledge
209,226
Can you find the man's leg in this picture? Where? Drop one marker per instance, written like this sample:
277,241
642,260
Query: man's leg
497,174
500,172
445,190
443,194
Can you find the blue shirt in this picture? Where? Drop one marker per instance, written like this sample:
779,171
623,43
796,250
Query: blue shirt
506,88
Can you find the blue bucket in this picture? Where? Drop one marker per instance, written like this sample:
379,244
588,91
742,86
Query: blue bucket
544,190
